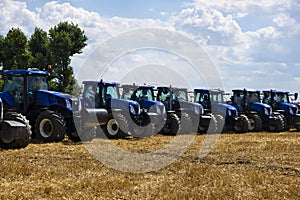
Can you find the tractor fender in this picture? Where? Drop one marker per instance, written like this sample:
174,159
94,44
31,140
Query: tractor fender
7,98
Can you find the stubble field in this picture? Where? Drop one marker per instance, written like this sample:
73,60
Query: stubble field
240,166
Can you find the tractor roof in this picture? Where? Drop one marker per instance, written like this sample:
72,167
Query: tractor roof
276,91
208,90
25,71
247,90
98,82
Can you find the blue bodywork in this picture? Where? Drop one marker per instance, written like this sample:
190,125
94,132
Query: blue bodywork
38,99
281,103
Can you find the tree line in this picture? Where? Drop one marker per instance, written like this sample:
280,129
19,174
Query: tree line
50,51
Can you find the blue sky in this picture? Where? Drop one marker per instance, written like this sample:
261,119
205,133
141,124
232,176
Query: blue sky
254,44
122,8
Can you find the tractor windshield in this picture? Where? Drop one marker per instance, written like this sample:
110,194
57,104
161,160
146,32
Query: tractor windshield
252,97
37,83
181,94
112,90
143,94
217,97
281,97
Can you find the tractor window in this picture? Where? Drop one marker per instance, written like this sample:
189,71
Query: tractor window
281,98
252,97
143,94
89,92
14,85
127,92
181,94
37,83
112,91
267,98
204,99
217,98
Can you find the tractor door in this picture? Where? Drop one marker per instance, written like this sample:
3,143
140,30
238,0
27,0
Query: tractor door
14,85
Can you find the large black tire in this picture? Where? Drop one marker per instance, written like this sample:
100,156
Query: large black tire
286,125
17,143
221,125
50,126
242,125
172,125
255,123
213,123
186,124
279,127
116,128
86,134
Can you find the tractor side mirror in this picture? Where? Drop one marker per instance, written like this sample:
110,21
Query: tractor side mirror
296,96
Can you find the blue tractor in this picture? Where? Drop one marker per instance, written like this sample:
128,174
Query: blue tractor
152,116
102,100
182,116
50,113
15,130
280,102
224,117
260,115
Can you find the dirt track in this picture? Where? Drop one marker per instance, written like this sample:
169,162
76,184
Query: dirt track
251,166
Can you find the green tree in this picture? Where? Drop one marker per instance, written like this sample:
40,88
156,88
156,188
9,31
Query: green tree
39,48
15,53
66,39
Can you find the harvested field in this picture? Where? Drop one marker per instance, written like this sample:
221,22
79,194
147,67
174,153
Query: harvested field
240,166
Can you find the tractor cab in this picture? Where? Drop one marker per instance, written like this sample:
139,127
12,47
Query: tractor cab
280,102
99,94
226,116
261,116
20,87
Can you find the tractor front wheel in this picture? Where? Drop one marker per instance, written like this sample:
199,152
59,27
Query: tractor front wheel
50,126
116,128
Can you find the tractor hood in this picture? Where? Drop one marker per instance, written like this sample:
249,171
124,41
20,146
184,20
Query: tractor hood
289,108
53,98
125,105
224,109
190,106
261,107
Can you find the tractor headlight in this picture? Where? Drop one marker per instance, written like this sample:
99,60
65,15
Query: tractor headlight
131,109
229,113
197,110
266,111
68,104
291,111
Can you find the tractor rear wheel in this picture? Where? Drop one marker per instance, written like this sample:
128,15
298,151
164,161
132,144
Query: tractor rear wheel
17,143
50,126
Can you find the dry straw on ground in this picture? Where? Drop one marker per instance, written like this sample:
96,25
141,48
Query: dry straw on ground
241,166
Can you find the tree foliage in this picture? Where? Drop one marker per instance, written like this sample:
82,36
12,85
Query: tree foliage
15,53
66,39
39,48
46,51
